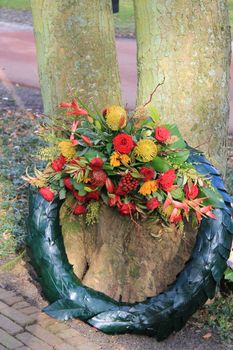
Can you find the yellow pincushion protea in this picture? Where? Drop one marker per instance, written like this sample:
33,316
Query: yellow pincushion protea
149,187
146,150
67,149
116,117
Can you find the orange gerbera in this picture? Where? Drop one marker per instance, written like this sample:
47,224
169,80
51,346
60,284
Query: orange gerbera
148,187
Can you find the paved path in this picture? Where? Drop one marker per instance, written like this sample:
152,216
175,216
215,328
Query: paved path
23,326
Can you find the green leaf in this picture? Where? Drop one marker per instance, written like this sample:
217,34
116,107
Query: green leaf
109,148
77,186
160,164
154,114
178,194
136,175
180,143
228,275
62,194
213,197
93,154
98,125
179,157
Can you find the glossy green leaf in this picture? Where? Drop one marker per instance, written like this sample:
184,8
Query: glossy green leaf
160,164
178,194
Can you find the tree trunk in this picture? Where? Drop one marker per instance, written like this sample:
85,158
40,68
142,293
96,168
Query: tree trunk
76,50
125,261
188,43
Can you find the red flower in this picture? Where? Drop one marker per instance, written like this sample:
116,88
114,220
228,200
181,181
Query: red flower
152,203
114,200
98,177
191,192
81,199
109,185
175,216
68,183
127,208
162,134
167,179
58,163
95,195
147,173
46,193
96,163
79,209
123,143
86,140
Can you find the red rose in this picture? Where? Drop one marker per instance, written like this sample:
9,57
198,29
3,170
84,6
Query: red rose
79,209
114,200
95,195
191,192
81,199
68,183
109,185
58,163
123,143
98,177
162,134
167,179
46,193
147,173
152,203
96,163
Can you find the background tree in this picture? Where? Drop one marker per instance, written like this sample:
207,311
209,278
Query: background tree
188,43
76,50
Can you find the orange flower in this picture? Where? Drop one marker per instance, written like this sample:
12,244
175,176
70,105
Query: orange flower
148,187
115,159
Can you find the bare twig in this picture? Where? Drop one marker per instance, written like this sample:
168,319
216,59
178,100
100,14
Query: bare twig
153,92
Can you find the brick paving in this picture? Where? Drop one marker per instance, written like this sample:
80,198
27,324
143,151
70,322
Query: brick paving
25,327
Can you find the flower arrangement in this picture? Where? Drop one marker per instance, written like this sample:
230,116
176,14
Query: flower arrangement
131,162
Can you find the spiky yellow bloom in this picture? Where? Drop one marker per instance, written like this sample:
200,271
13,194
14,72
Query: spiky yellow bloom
115,159
125,159
116,117
148,187
146,150
67,149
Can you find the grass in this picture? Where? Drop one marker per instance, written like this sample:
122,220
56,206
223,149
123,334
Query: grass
16,4
18,145
124,20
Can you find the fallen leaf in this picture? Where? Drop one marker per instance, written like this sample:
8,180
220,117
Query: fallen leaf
207,336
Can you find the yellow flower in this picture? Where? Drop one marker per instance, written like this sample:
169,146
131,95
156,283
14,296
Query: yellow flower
67,149
116,117
148,187
125,159
115,159
146,150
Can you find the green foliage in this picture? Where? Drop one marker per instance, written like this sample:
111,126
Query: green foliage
124,20
16,4
220,316
228,275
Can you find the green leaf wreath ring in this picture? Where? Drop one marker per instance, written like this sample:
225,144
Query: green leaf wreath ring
159,315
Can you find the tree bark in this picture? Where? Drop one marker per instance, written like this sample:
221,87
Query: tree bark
76,51
188,43
125,261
